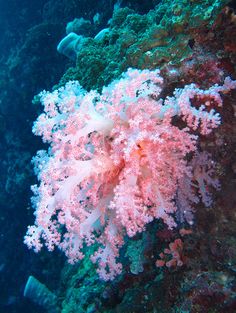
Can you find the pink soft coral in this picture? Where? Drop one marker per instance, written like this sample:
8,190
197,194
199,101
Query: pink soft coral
115,163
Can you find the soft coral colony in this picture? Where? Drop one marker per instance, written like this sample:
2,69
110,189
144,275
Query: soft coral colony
117,161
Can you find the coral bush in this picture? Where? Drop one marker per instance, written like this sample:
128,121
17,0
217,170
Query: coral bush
119,160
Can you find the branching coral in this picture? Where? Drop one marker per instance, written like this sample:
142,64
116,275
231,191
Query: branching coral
117,161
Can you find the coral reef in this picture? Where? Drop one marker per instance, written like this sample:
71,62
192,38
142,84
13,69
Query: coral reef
205,282
190,42
150,40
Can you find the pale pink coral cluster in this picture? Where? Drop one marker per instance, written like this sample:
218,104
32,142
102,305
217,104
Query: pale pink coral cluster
116,162
173,256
